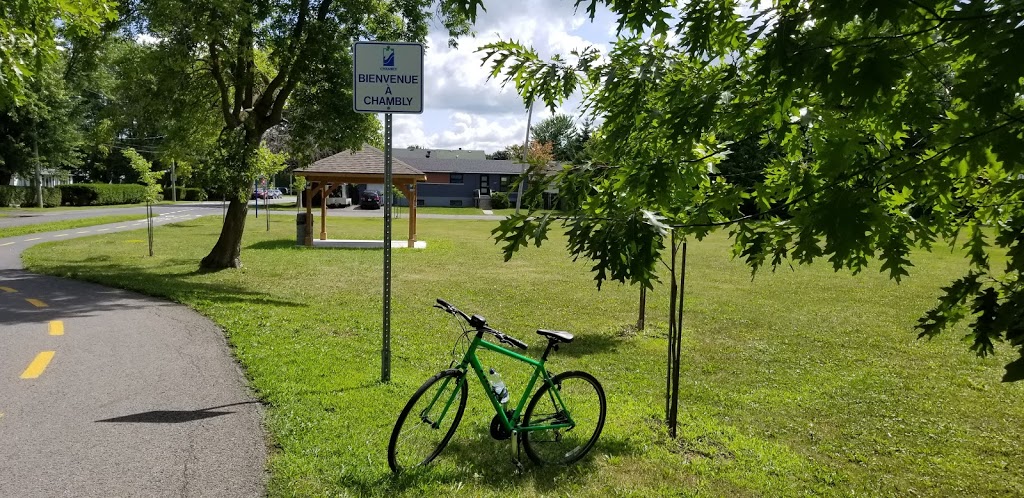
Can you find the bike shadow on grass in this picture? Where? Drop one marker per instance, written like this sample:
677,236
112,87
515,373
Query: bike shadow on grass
588,344
483,461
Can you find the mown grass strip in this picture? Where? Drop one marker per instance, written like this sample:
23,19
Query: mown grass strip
802,382
53,226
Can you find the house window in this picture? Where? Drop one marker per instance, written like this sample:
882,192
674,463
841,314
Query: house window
455,203
421,202
455,178
504,181
485,181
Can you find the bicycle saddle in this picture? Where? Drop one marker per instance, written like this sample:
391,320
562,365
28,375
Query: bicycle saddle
556,335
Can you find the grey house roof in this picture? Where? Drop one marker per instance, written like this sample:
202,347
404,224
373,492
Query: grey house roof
483,166
367,161
403,153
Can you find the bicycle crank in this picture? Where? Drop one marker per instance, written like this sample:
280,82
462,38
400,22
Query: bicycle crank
498,429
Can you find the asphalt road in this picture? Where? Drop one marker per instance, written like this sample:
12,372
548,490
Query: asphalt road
28,217
105,392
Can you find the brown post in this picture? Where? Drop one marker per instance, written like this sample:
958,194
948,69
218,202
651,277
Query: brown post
643,308
410,195
309,216
323,211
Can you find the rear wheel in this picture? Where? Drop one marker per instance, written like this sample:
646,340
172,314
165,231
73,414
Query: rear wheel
428,421
582,401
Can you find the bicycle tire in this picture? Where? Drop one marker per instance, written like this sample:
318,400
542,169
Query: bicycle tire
544,447
396,453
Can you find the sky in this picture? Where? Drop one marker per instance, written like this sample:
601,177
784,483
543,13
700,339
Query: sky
463,109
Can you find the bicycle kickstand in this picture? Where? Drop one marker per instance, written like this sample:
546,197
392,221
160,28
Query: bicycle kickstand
516,452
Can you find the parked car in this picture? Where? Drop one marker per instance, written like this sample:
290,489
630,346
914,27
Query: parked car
275,193
370,199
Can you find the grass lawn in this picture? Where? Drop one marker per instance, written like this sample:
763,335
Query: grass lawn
51,226
793,383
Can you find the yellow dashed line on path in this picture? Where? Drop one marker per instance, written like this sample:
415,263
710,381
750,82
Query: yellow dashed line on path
38,365
37,303
56,327
122,226
6,244
86,231
36,238
7,289
61,235
103,230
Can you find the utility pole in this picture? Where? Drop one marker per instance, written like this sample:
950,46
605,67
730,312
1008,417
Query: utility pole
526,146
35,152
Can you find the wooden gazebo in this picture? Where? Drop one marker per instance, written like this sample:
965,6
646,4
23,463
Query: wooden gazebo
353,167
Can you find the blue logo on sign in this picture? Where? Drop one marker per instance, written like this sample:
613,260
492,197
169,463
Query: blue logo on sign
389,57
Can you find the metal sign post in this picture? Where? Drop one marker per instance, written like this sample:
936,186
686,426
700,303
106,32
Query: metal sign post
388,79
385,354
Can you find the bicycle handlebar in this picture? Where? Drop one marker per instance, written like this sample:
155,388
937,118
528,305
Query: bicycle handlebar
480,326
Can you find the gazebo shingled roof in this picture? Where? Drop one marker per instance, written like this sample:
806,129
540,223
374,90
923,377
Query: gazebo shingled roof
367,161
365,165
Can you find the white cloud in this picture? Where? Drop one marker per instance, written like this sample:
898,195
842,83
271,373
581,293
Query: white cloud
469,131
147,39
465,109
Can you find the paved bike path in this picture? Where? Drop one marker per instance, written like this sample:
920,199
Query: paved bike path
138,397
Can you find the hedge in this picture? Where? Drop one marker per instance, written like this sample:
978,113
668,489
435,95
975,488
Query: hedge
11,196
102,194
187,194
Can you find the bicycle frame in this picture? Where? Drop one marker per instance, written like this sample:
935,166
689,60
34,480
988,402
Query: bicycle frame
539,372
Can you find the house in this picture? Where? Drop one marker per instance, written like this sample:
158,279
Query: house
49,177
456,182
459,153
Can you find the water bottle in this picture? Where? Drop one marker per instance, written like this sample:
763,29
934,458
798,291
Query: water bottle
498,386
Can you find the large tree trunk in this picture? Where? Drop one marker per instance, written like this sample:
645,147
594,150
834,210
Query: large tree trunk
228,250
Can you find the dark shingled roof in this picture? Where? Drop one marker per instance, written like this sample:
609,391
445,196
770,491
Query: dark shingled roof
440,154
367,161
485,166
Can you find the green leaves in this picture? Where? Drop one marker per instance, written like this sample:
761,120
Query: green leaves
29,37
148,177
859,131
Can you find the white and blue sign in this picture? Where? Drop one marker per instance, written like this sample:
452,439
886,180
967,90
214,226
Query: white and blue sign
388,77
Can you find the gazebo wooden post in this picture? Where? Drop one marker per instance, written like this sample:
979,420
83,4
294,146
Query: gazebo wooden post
323,210
410,195
308,233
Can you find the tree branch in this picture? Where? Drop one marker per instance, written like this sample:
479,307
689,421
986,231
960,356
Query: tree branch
294,72
266,100
215,67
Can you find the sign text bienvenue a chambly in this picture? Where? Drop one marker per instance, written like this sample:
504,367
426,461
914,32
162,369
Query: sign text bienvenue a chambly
388,77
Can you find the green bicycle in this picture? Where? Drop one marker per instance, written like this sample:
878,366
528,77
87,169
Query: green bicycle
559,426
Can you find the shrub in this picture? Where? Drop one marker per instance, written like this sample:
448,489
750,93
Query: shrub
102,194
11,196
51,196
499,200
187,194
195,194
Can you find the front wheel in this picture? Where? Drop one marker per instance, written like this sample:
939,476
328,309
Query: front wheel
428,421
577,399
